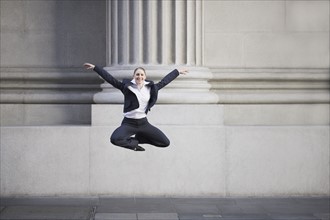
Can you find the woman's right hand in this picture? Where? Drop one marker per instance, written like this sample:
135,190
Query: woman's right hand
89,66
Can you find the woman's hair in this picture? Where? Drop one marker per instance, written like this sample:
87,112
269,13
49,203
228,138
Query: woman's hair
140,68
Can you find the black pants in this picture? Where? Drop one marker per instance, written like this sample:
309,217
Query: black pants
144,132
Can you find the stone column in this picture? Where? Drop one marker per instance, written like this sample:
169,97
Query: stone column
159,36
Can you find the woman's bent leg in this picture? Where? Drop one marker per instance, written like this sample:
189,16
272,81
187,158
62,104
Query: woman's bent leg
122,137
152,135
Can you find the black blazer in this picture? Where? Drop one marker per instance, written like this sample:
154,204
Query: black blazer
130,100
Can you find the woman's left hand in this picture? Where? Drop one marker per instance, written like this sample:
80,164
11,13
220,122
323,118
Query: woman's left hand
183,71
89,66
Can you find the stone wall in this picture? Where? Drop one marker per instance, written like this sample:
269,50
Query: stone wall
52,34
267,34
216,150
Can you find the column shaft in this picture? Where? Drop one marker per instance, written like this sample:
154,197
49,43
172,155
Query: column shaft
154,32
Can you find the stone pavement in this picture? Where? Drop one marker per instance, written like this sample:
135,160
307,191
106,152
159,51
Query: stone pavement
109,208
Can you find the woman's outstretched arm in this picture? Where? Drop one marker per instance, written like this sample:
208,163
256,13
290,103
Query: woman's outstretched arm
170,77
105,75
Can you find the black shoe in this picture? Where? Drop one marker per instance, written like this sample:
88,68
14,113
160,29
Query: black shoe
138,148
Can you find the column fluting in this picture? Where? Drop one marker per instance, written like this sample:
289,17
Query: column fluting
160,36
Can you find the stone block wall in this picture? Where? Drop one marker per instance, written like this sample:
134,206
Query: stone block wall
216,150
268,52
48,34
267,34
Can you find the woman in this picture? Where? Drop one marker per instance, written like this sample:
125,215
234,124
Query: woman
140,95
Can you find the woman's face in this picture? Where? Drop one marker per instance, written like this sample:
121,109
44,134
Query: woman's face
139,76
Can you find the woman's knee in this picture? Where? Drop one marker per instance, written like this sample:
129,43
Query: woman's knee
113,141
164,143
116,141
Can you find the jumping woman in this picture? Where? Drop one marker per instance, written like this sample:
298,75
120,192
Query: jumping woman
140,95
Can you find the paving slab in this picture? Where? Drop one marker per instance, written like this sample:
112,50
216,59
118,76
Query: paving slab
323,216
294,217
117,205
51,201
199,217
230,209
158,205
115,216
215,201
37,212
137,216
158,216
4,201
197,209
246,217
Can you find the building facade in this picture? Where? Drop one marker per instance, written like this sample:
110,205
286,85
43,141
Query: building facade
250,119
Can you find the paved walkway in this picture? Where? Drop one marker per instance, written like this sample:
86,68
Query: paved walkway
105,208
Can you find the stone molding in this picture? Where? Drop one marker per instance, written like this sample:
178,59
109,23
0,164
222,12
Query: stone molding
227,86
271,86
47,85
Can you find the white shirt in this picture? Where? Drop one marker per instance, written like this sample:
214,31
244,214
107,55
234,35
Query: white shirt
143,96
